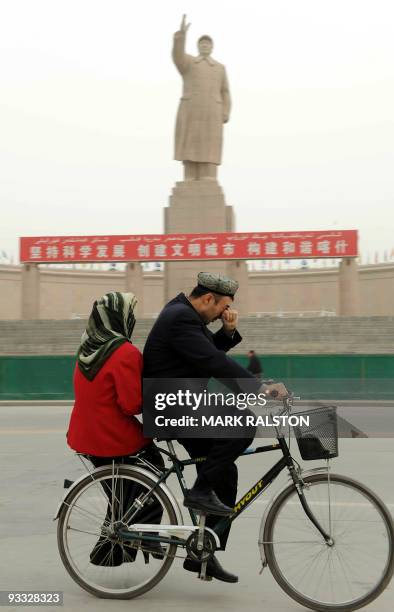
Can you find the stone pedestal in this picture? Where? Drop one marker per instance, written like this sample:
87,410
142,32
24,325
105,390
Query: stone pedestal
348,289
198,207
134,283
30,291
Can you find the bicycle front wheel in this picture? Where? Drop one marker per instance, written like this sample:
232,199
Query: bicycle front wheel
95,557
349,572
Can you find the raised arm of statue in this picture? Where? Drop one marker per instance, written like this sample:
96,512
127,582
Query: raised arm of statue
226,99
181,59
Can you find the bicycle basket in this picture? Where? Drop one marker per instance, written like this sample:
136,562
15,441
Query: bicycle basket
319,439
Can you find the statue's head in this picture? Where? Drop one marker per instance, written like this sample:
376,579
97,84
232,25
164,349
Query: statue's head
205,45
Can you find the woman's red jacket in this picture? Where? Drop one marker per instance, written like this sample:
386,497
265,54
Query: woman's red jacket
102,421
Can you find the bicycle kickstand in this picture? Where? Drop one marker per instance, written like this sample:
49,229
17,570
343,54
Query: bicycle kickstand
200,546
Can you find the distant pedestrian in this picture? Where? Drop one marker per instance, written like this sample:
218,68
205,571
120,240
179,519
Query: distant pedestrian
254,366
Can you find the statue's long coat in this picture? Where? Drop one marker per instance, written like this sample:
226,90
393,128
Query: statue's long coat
204,105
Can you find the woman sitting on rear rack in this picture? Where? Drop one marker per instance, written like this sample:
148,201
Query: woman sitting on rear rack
108,395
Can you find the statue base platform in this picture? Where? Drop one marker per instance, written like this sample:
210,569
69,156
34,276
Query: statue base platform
198,206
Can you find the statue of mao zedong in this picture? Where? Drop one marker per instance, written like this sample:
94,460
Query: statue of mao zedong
203,108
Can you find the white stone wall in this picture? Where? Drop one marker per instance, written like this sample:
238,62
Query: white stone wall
66,293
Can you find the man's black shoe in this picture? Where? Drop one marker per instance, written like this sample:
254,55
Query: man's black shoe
206,501
214,569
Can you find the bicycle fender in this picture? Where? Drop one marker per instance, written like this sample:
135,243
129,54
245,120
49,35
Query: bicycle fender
153,477
318,470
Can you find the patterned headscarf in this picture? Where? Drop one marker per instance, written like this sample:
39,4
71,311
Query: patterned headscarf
110,324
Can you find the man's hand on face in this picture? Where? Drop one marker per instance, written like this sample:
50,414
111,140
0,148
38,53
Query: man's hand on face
230,320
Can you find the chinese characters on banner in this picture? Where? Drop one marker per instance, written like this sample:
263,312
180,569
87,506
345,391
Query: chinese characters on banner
175,247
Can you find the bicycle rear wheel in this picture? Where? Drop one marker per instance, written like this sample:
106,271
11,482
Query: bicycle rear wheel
351,572
98,560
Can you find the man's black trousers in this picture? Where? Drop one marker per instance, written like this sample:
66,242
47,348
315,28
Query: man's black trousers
219,471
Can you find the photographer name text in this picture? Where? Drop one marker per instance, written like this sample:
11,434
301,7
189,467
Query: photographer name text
241,420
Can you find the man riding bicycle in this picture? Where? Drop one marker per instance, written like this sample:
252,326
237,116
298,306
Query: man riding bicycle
180,346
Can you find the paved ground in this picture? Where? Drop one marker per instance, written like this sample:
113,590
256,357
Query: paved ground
34,462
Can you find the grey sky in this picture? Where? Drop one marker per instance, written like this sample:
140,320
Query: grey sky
88,97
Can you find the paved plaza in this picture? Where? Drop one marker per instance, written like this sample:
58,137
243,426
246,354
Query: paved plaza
34,462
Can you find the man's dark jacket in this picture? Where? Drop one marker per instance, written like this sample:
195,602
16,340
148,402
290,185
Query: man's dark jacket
181,346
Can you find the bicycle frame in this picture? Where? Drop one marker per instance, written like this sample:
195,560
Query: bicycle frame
286,461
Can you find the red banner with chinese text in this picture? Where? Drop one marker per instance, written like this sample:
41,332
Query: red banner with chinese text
181,247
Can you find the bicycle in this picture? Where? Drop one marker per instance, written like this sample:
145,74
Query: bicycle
327,539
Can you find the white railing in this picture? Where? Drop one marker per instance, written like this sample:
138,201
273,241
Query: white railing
294,313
